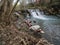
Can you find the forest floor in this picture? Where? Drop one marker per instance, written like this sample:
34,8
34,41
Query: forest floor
11,36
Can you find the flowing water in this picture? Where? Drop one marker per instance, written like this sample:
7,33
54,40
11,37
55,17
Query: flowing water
50,24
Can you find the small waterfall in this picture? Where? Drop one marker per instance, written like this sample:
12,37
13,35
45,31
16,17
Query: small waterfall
50,24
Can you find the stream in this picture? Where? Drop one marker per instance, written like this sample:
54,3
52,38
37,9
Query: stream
49,23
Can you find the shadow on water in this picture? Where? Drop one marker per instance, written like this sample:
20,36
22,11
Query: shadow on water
52,31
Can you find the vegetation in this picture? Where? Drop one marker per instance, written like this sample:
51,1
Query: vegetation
6,9
51,7
9,33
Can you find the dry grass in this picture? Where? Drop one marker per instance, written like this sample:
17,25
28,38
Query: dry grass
11,36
